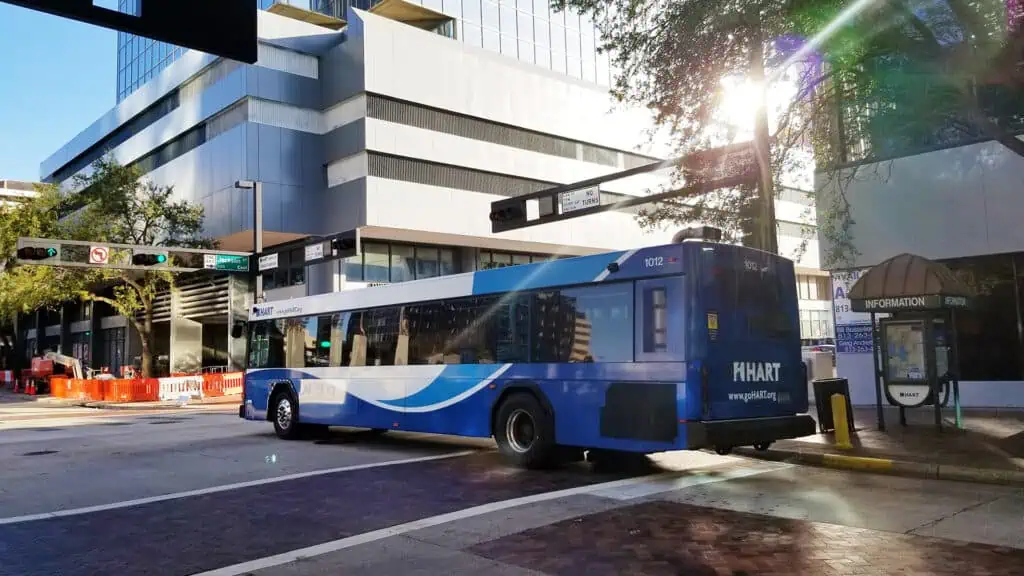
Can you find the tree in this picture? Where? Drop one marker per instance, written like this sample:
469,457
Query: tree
868,77
112,204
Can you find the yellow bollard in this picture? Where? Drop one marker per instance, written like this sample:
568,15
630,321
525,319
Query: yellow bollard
840,422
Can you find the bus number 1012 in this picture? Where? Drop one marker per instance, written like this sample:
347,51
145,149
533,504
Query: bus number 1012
654,261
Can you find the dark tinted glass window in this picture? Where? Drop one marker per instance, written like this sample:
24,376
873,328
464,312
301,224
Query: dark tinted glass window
476,330
266,346
591,324
758,295
988,334
382,328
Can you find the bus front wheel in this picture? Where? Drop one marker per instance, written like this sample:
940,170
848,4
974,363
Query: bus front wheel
524,432
285,414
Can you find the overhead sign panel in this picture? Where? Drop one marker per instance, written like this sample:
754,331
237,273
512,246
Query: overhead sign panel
99,254
315,252
223,27
268,262
231,263
579,199
83,254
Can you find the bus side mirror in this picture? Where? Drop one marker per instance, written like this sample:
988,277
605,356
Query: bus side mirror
238,330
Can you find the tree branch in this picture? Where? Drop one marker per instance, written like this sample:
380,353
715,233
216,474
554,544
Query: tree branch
117,306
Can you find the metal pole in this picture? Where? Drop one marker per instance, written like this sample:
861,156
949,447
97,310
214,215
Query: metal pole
876,347
955,368
930,368
257,239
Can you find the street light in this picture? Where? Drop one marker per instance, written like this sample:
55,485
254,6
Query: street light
257,233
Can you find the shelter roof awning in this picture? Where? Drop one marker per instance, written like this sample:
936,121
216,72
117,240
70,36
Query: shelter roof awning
908,282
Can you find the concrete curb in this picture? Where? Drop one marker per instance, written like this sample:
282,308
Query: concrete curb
161,407
891,467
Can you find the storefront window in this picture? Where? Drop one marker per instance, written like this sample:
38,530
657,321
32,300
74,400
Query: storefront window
352,268
447,261
403,263
426,262
988,333
376,262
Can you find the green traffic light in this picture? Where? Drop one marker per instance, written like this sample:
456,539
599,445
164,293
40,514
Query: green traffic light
161,258
51,252
325,344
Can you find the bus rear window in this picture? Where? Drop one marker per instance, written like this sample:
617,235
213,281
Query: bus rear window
758,296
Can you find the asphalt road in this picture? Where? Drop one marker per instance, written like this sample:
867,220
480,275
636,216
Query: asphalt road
89,492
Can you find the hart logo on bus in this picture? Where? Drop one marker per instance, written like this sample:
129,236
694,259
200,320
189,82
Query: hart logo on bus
756,371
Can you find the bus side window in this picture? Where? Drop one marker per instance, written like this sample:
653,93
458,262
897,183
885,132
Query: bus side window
655,336
357,336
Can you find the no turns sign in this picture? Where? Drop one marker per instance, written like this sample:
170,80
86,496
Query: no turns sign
98,254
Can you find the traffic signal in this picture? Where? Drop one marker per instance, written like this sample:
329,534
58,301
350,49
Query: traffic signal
346,244
149,259
508,214
36,253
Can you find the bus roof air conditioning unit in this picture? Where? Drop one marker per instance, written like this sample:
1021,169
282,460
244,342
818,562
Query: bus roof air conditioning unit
703,233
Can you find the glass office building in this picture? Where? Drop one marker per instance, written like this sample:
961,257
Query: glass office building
527,30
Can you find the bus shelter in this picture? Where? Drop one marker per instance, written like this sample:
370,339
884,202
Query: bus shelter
916,361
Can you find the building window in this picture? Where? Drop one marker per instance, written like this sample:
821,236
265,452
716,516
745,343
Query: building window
112,349
386,262
290,271
403,263
816,324
376,262
426,262
813,287
988,334
488,259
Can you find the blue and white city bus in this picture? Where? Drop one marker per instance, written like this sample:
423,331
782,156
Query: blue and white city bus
689,345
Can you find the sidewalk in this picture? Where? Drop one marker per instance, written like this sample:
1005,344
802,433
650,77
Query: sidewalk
216,402
46,401
989,449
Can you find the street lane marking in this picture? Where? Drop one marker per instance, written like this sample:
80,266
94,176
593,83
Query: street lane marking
698,477
678,481
224,488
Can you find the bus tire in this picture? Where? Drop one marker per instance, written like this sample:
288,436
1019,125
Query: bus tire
762,446
285,415
525,432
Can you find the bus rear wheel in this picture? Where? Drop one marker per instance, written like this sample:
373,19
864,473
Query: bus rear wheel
525,432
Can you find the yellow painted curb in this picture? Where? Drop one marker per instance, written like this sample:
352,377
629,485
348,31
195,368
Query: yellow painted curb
856,462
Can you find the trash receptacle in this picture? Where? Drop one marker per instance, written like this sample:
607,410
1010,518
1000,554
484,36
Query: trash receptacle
824,388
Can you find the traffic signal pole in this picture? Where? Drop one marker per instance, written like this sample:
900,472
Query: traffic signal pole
257,238
83,254
705,171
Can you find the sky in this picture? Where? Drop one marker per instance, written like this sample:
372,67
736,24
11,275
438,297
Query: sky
57,76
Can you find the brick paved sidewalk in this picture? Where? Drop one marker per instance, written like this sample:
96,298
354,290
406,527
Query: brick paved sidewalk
658,538
991,444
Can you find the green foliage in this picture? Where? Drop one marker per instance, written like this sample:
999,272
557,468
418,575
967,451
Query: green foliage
874,78
113,204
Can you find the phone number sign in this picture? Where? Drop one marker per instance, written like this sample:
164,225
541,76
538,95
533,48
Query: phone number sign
853,338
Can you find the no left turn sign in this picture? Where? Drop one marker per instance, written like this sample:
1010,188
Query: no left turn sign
98,254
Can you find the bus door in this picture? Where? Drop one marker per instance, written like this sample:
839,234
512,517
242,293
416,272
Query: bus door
753,364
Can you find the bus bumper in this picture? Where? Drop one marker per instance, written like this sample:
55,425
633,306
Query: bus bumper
747,431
